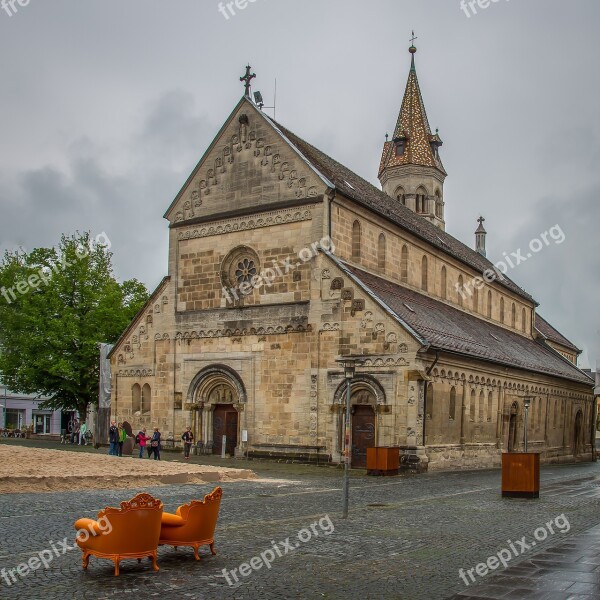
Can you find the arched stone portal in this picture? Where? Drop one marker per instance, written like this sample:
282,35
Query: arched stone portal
217,396
367,393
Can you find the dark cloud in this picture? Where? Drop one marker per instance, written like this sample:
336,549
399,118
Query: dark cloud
106,109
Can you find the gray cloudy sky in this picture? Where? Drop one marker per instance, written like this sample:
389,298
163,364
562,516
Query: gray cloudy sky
107,105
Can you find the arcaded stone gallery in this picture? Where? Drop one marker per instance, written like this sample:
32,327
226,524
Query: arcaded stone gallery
282,261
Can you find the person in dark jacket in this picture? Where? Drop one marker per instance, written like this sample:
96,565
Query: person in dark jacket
155,443
188,439
113,439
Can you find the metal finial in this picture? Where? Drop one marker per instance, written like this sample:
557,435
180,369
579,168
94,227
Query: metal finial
247,78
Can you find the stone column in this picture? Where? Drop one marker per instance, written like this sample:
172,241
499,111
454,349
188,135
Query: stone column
208,422
500,423
463,415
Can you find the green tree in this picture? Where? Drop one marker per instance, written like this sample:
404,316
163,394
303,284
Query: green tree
56,306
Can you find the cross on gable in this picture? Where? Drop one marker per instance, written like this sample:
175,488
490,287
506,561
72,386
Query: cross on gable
247,78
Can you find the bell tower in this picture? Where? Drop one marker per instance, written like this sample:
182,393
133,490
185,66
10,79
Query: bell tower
411,170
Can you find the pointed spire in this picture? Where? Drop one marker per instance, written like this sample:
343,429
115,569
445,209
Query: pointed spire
412,142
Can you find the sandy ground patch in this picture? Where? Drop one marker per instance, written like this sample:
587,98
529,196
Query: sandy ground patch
40,470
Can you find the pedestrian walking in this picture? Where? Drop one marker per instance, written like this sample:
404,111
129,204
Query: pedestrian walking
82,432
122,438
155,443
113,439
188,438
142,439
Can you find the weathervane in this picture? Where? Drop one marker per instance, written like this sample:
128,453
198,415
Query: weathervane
247,78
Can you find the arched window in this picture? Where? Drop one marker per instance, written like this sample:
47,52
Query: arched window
460,290
452,407
381,252
475,300
136,398
421,201
489,305
513,316
404,264
444,284
424,274
490,410
482,405
146,399
472,406
430,401
524,320
501,310
356,240
401,196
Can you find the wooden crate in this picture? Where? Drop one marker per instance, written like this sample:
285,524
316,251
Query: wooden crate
521,475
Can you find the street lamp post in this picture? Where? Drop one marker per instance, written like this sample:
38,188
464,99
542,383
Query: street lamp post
349,371
527,404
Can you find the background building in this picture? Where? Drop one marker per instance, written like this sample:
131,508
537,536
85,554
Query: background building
22,410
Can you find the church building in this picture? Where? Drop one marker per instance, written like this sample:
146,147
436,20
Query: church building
282,261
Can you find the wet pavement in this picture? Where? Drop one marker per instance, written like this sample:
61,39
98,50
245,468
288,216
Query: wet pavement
567,571
407,538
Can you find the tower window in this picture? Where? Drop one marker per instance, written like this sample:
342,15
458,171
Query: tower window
444,284
400,146
424,274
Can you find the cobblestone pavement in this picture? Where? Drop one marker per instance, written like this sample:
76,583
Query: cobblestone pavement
567,571
406,538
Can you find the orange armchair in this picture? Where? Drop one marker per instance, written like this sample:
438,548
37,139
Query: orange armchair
193,524
131,531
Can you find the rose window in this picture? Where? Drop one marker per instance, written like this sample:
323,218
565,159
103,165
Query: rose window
245,271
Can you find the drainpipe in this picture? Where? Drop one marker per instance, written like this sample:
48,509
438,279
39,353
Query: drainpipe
428,372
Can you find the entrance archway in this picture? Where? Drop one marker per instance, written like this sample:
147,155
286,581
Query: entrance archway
363,434
217,396
367,394
578,435
513,427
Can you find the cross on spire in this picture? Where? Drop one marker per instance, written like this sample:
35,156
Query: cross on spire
480,220
247,78
413,38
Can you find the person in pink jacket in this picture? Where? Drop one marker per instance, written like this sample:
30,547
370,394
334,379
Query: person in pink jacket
142,439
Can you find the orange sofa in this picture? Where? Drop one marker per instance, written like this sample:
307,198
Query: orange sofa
133,531
193,524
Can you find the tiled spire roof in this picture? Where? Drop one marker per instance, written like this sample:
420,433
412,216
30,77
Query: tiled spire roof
413,127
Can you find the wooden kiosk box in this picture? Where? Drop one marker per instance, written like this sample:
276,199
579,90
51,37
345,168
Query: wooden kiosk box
383,461
521,475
